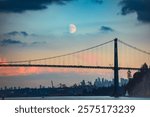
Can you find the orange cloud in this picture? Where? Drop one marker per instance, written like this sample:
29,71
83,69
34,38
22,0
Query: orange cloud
22,71
17,71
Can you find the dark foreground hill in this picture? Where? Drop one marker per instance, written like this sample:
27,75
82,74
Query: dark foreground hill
139,85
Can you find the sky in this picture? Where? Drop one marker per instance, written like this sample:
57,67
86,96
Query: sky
33,29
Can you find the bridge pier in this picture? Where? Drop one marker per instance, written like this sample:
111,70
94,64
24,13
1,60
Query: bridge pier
116,69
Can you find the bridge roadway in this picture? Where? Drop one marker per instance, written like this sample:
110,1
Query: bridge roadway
67,66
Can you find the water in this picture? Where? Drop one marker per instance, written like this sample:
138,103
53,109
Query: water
77,98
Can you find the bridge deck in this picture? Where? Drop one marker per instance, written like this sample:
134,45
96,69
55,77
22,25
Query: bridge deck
67,66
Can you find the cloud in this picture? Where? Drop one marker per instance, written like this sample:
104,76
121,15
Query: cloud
38,43
24,33
24,71
98,1
6,42
21,71
16,33
15,38
141,7
106,29
19,6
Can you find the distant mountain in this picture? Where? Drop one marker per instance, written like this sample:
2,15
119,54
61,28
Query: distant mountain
139,85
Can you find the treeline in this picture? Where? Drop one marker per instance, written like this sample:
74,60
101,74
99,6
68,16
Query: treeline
88,90
139,85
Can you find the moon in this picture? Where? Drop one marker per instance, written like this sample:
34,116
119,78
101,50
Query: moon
72,28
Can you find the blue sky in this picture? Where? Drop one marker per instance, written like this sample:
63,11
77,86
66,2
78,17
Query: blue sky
44,31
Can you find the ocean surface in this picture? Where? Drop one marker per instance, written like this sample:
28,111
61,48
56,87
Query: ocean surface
77,98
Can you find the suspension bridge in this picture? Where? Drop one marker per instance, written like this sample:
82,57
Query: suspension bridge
94,57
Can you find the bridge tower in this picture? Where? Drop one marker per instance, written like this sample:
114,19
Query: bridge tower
116,69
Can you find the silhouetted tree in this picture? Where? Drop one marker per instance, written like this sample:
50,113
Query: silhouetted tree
136,84
144,68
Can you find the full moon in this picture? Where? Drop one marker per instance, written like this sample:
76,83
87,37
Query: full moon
72,28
